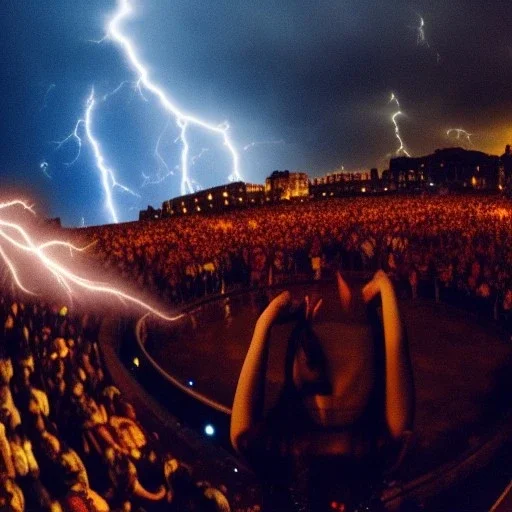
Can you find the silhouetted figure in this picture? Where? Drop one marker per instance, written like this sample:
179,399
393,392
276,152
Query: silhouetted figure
341,418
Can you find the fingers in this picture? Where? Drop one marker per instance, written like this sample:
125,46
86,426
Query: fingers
369,291
280,302
344,293
312,310
283,298
317,308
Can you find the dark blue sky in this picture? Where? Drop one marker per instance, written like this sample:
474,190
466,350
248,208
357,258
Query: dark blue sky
313,78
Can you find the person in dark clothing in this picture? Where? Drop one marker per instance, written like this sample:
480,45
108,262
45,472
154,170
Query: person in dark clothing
339,421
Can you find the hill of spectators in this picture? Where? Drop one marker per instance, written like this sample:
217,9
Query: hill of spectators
69,440
456,248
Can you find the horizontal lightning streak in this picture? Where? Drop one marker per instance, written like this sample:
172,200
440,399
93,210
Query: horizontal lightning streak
18,237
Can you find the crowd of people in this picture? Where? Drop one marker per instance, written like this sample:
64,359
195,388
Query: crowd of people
69,439
452,248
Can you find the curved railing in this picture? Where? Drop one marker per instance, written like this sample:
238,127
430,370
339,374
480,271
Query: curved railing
420,488
172,380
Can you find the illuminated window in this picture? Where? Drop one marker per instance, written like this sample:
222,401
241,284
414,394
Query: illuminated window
210,197
184,210
226,202
224,194
241,199
198,208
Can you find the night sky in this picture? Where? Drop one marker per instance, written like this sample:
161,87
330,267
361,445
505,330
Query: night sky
310,79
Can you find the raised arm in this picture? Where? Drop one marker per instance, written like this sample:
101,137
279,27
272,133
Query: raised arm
248,401
399,403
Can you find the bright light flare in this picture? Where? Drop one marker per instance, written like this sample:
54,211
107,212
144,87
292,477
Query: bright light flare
18,240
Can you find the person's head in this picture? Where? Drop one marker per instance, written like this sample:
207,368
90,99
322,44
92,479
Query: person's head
77,389
51,445
306,363
5,415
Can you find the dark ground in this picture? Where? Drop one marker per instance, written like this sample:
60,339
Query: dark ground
462,369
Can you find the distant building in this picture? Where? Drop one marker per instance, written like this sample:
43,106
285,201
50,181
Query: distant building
150,214
506,162
344,183
217,199
286,185
453,167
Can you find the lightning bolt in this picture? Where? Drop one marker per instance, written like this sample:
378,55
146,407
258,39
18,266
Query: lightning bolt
421,39
135,86
460,132
252,145
45,97
73,136
108,179
15,237
183,120
44,167
197,157
394,117
161,162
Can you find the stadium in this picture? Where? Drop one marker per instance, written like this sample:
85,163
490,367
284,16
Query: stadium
255,256
120,406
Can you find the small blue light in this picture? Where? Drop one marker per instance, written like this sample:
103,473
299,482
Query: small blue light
235,470
431,184
209,430
191,383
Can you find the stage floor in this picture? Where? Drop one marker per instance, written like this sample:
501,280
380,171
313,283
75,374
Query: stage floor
462,370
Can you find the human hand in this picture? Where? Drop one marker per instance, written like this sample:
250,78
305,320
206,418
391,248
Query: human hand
344,293
281,301
278,308
312,309
374,287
